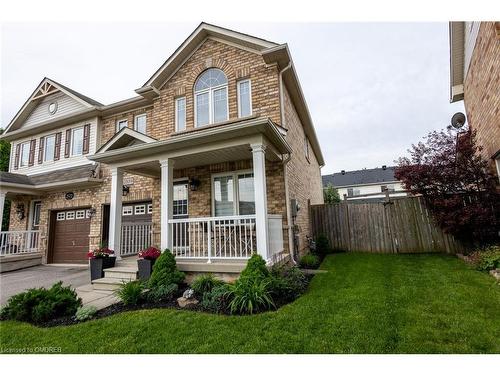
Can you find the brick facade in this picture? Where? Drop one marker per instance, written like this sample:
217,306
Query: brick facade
482,90
304,178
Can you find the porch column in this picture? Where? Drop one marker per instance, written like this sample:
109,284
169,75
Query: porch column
2,203
260,191
115,211
166,210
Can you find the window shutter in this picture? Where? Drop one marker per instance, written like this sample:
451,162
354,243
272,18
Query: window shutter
67,144
16,161
86,138
41,150
31,159
57,147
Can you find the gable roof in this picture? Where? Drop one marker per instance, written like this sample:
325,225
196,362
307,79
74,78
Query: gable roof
125,137
47,87
360,177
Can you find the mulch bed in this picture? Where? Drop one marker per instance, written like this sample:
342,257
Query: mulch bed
120,307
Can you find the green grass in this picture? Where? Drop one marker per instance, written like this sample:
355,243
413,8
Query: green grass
365,304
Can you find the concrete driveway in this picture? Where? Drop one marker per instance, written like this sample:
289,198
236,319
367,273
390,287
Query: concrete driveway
41,276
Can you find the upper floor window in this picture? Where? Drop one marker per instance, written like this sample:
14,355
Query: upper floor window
140,123
77,142
25,154
180,114
210,92
49,148
120,124
244,98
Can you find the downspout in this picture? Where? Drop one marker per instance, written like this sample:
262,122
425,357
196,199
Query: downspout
285,162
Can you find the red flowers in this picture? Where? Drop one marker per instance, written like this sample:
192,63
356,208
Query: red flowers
100,253
150,253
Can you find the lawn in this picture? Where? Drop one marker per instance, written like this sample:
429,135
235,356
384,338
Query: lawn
366,303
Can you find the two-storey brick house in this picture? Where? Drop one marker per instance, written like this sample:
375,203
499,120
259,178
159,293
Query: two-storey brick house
209,160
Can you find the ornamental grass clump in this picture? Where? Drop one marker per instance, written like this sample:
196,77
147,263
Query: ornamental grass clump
131,293
205,283
249,295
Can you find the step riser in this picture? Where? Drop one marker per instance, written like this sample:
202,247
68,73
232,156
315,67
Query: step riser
121,275
106,286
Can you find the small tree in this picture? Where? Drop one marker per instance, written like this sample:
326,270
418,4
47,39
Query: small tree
331,195
458,188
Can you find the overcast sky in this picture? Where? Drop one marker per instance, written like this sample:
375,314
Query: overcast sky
372,89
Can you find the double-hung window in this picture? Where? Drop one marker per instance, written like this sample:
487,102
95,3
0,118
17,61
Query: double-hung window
120,124
49,147
210,96
233,194
244,98
140,123
180,114
77,142
25,154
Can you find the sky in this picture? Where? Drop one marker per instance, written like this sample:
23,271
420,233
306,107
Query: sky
372,89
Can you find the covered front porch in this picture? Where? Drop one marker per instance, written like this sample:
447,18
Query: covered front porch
228,218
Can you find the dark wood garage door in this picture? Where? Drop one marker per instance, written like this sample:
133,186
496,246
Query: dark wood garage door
71,236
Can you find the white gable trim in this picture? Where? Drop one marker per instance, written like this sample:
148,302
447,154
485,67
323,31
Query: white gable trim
35,98
142,138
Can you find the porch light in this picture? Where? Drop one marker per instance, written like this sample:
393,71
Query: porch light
20,211
125,190
194,183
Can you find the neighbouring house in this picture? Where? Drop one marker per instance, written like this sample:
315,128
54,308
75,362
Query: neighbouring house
475,79
365,184
207,160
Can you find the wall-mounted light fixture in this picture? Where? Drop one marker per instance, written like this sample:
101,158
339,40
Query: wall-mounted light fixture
125,190
194,183
20,211
92,212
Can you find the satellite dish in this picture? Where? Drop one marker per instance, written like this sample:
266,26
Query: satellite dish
458,120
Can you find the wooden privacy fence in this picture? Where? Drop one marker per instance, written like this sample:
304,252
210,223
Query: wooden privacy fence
397,226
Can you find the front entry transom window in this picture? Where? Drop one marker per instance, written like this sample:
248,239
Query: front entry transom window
233,194
210,92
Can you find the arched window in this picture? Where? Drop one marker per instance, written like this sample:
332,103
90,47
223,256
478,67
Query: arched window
210,97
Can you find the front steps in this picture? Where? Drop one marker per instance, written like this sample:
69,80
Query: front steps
114,277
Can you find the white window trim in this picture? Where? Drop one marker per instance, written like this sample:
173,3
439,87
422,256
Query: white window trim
72,153
210,92
21,148
180,181
32,213
45,148
68,213
236,198
61,216
117,125
145,124
176,113
249,94
143,206
150,208
127,210
80,214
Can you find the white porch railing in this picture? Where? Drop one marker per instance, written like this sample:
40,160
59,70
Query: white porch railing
18,242
135,237
225,237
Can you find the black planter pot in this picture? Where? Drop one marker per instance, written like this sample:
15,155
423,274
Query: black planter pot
145,267
98,265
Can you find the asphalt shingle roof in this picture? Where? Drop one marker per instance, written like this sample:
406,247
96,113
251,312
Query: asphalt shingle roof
83,171
360,177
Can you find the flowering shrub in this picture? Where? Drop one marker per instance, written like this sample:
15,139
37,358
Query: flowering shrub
100,253
151,253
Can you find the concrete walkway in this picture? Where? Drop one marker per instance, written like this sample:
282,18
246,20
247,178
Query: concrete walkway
15,282
97,298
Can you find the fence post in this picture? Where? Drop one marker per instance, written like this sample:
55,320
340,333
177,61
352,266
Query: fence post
209,240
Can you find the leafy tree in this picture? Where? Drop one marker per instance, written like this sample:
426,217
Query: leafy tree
458,188
4,167
331,195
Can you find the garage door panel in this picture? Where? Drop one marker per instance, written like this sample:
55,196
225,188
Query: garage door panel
71,240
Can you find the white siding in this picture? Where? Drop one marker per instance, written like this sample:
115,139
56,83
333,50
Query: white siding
471,31
63,162
65,106
373,189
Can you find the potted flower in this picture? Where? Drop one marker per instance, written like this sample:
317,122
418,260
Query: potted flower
147,258
99,260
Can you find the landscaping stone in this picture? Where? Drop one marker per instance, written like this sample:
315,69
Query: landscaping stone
187,302
495,273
